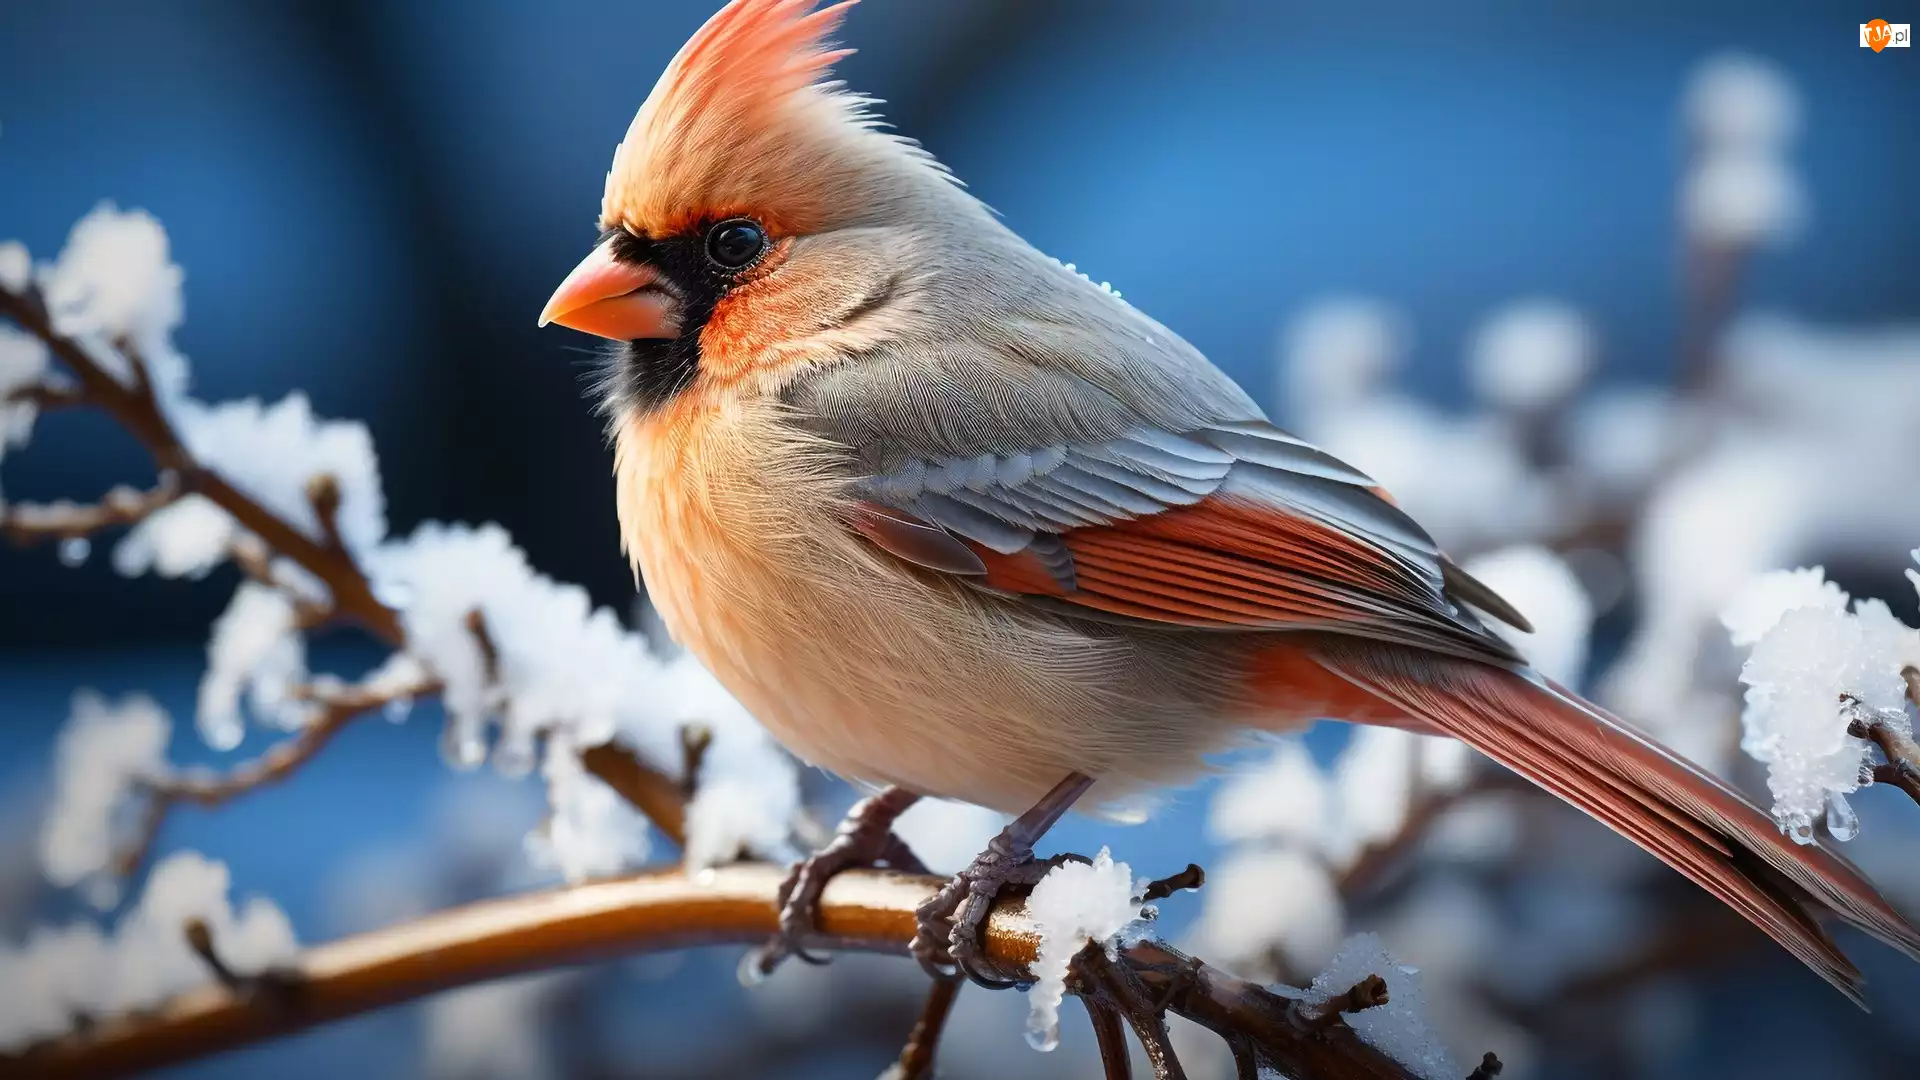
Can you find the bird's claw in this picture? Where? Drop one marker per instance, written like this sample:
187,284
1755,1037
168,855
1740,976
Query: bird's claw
949,938
864,839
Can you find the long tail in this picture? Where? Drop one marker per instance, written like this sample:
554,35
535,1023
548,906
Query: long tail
1688,819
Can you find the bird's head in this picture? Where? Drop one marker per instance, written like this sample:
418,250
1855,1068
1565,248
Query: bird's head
752,208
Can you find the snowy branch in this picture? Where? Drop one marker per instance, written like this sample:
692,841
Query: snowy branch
862,910
338,707
27,523
134,404
1896,743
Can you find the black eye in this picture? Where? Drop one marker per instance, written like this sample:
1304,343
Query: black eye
735,244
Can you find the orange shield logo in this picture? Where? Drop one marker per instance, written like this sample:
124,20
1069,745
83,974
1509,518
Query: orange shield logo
1878,34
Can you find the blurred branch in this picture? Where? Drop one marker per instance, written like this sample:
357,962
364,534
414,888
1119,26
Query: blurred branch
1380,858
1713,274
916,1058
134,406
49,397
862,910
29,523
338,707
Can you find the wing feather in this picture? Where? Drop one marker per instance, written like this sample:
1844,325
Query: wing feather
1235,525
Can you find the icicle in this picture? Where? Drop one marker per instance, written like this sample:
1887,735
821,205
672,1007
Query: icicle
1842,822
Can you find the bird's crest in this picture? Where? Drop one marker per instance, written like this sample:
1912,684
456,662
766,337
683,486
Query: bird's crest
734,122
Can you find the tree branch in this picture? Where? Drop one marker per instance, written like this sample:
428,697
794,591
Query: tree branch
134,406
339,707
916,1058
29,523
1368,993
862,910
1377,860
49,396
1891,733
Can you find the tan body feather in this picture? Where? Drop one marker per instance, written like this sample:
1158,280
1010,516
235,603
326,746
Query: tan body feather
873,670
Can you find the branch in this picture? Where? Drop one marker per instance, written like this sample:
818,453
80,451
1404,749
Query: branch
861,910
1368,993
49,396
1896,742
136,409
916,1058
1378,859
339,707
30,523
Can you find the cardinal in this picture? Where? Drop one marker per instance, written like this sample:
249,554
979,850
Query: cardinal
952,520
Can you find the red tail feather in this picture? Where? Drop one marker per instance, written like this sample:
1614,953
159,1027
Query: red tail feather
1579,752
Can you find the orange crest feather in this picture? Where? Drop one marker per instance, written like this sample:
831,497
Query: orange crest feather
729,126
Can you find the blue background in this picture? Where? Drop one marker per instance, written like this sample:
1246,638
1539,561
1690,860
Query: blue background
372,201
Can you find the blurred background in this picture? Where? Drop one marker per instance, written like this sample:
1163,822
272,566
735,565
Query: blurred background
1638,283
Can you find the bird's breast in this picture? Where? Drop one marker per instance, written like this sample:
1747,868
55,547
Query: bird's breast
734,517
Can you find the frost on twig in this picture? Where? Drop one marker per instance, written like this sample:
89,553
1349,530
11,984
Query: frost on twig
1389,1011
1369,993
61,977
26,523
114,787
105,754
1826,693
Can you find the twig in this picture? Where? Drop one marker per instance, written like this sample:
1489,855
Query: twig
49,396
650,790
136,409
339,707
861,910
695,740
28,523
1116,989
323,494
200,938
1368,993
1111,1033
1896,744
1377,860
916,1058
272,985
476,621
1191,878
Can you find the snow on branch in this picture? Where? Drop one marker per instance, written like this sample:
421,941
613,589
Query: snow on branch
182,935
1827,696
296,500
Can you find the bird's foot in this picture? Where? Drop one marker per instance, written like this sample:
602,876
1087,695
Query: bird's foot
865,838
949,937
950,925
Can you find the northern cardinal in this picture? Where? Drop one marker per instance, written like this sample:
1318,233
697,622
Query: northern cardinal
950,518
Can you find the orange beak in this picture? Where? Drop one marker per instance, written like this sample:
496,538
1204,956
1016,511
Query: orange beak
612,299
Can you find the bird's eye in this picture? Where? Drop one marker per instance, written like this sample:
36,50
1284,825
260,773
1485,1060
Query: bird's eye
735,244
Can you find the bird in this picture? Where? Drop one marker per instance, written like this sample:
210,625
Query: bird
952,520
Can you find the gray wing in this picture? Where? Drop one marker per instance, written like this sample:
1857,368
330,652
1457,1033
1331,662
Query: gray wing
1088,461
